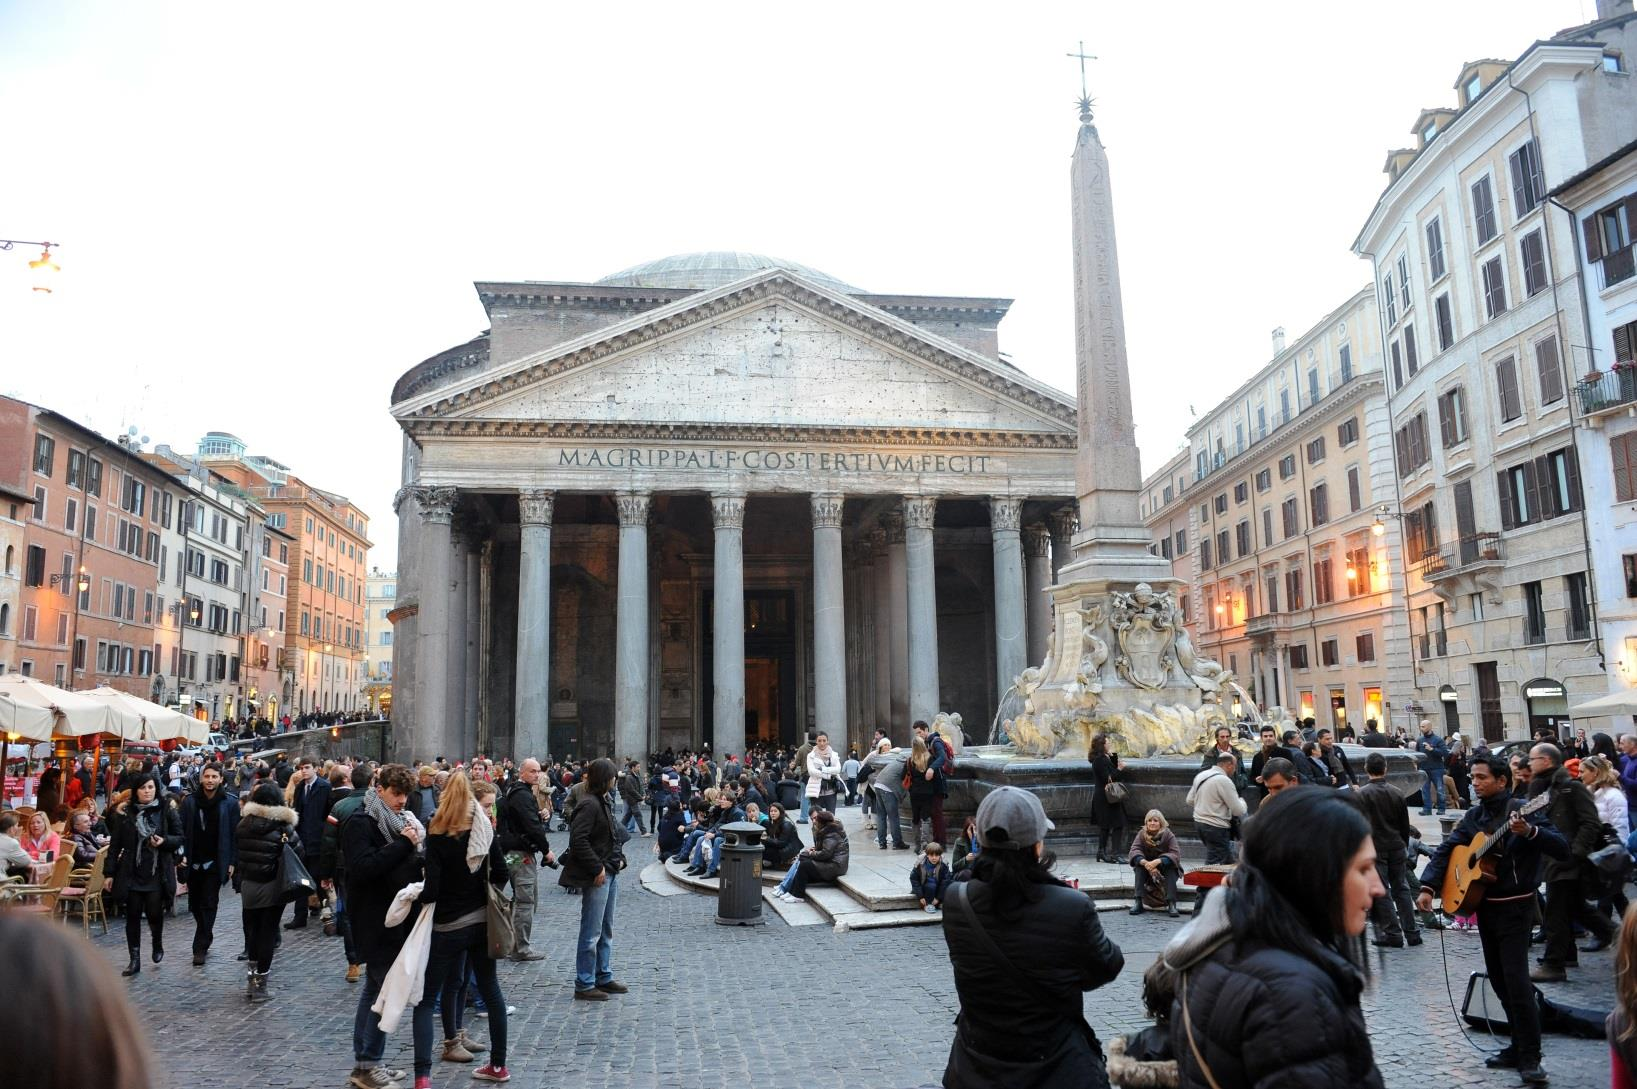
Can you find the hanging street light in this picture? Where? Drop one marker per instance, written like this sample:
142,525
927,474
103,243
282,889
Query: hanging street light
43,270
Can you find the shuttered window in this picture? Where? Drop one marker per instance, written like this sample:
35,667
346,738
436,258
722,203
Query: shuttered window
1624,451
1319,504
1528,187
1411,362
1506,387
1483,210
1534,264
1494,288
1452,417
1547,369
1435,249
1355,497
1446,325
1625,342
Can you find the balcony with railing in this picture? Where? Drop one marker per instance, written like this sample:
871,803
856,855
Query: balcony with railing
1478,550
1610,390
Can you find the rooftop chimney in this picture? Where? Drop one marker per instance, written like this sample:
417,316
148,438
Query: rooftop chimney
1609,9
1279,340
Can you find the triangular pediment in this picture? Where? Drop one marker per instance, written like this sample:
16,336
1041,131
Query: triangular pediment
772,349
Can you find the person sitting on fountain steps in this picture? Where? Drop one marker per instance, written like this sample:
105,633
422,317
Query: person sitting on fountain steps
1156,861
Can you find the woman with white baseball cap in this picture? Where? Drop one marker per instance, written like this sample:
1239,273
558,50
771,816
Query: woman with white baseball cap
1025,947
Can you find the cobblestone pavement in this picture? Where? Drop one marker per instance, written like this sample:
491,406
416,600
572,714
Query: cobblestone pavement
767,1006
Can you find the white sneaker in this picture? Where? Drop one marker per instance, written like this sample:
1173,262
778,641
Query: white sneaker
869,826
932,909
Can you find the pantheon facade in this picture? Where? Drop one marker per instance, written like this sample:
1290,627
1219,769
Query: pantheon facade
717,498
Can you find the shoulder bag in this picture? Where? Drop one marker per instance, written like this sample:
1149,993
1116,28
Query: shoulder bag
1114,791
499,914
293,880
1188,1029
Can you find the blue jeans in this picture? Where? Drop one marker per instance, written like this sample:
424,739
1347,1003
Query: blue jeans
594,955
789,877
688,842
710,849
446,967
1432,787
805,802
633,818
369,1043
886,817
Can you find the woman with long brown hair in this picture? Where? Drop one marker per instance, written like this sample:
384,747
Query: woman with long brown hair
462,853
1108,815
1621,1025
592,865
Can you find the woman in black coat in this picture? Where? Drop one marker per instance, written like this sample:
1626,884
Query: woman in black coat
592,865
1266,952
146,839
266,824
1109,816
780,841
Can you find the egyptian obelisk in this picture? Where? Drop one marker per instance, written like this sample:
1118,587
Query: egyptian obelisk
1112,543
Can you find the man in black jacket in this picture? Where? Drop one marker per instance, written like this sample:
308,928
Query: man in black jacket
382,853
1574,814
522,830
1270,750
312,806
1507,912
1393,914
209,820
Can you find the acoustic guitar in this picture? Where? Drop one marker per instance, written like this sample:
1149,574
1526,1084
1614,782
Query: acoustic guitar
1471,868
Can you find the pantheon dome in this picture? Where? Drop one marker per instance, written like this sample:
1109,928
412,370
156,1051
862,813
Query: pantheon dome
703,271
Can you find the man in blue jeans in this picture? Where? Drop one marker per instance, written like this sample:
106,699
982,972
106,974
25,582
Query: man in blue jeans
887,784
1434,754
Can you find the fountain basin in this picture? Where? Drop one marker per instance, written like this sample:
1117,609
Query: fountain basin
1064,787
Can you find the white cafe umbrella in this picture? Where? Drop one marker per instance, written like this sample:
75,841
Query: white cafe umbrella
1623,702
158,723
38,711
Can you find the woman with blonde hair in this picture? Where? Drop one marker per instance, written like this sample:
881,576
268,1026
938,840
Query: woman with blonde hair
921,789
1599,776
1156,861
1621,1026
462,854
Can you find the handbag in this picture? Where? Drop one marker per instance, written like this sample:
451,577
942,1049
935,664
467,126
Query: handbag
500,915
292,880
1114,791
1611,859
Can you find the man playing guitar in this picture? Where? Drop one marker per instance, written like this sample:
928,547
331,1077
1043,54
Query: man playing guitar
1507,912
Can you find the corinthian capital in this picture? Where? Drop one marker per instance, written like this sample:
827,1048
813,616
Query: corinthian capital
1037,541
827,510
437,504
1005,515
919,511
633,507
535,506
1065,520
892,526
728,511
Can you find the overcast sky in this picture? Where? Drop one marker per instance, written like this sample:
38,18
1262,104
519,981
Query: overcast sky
266,213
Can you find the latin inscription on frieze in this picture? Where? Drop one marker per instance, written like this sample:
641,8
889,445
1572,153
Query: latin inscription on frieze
766,460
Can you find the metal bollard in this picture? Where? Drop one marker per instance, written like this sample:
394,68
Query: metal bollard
739,895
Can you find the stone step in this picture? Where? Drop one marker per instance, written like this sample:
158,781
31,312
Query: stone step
845,912
803,914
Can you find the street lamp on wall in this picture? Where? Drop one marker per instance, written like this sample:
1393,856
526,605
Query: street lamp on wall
43,270
82,583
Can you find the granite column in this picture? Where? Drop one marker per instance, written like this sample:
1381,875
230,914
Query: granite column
829,615
531,715
920,575
1037,559
631,662
1011,648
432,733
728,626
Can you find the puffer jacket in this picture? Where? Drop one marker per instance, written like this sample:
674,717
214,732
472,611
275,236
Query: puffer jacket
261,835
830,854
1243,996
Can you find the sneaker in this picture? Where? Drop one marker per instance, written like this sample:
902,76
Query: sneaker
932,909
373,1078
491,1073
453,1052
423,1082
528,955
354,972
1532,1074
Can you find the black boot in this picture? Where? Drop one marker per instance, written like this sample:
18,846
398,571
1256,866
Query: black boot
136,962
1136,909
158,948
1102,845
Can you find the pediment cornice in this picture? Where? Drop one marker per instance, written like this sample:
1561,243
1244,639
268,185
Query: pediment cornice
597,431
705,308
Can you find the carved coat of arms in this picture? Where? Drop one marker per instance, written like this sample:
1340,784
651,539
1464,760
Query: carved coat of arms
1145,623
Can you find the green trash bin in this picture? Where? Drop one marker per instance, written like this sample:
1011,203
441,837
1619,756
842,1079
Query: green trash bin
739,894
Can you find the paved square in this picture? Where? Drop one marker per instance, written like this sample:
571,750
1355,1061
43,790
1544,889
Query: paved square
765,1006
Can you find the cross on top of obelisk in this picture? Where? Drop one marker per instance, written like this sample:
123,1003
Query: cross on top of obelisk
1085,97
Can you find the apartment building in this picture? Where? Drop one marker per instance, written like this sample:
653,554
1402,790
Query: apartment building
91,554
380,598
268,690
1293,568
14,503
328,557
1479,289
1602,203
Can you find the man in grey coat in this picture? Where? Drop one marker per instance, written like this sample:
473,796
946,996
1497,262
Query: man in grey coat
886,781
